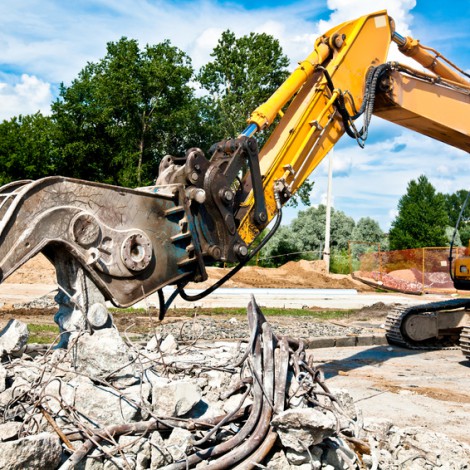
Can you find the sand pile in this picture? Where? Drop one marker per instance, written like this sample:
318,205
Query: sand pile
294,274
38,270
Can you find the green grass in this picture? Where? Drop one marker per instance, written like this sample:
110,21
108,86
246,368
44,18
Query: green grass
42,334
268,312
115,310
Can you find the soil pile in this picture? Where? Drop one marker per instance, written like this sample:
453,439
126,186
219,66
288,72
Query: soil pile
411,281
294,274
38,270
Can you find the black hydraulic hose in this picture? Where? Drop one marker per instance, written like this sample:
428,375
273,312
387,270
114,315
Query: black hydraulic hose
165,305
237,268
367,105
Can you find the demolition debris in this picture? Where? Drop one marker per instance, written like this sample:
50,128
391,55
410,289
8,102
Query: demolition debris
107,403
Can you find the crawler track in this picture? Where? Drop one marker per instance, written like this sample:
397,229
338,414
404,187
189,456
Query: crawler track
465,341
396,335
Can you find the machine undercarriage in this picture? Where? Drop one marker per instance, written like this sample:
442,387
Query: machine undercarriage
435,325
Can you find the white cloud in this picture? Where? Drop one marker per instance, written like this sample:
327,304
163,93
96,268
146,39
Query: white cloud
379,176
27,96
344,10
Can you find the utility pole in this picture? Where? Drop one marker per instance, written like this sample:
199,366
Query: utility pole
326,252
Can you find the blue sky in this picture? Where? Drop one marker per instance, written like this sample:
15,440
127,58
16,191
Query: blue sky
44,43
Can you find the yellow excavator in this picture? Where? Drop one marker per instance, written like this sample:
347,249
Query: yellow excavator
117,244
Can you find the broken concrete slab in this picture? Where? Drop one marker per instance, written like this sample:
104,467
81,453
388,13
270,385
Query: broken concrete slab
179,443
160,456
104,355
103,406
39,451
175,398
299,429
9,430
13,338
139,448
169,345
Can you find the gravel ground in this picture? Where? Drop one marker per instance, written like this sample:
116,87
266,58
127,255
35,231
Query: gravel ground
237,328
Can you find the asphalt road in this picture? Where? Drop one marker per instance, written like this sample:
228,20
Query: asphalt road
347,299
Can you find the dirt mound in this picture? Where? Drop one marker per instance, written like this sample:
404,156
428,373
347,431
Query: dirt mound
408,275
37,270
294,274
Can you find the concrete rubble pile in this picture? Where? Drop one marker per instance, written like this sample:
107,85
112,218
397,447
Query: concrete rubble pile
107,403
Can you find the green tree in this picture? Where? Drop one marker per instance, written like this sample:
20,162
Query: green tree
124,113
454,203
309,227
464,233
450,234
422,217
27,148
283,247
367,230
244,73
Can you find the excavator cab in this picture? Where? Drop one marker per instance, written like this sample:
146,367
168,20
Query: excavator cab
461,272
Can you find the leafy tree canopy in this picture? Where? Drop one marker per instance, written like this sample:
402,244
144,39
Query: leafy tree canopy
422,217
26,148
125,112
367,230
309,227
244,73
284,246
454,203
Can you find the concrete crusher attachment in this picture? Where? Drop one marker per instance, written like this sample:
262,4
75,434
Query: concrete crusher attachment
106,243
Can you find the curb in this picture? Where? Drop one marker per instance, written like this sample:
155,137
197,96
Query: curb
346,341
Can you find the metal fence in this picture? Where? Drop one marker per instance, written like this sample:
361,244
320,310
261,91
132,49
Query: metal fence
415,270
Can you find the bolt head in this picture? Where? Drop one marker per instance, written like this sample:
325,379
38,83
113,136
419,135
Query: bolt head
228,195
215,252
241,250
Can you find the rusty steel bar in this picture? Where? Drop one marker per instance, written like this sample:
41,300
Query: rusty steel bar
117,430
236,387
282,367
224,421
250,423
253,442
260,454
281,360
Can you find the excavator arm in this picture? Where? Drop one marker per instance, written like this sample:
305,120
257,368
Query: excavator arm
118,244
344,78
